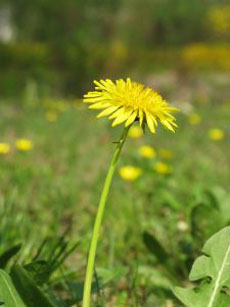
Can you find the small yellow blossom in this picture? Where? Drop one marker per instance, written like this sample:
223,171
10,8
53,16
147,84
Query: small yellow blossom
126,101
51,116
162,168
129,173
194,119
4,148
216,134
147,152
24,144
165,154
135,132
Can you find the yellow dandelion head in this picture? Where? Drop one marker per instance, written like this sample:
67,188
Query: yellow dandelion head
24,144
216,134
135,132
194,119
127,101
4,148
162,168
165,154
147,151
129,173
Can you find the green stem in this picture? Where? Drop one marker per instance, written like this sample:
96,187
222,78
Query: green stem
98,220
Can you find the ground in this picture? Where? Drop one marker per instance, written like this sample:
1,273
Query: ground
55,187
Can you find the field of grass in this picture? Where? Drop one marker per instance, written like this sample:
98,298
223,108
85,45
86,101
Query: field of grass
154,227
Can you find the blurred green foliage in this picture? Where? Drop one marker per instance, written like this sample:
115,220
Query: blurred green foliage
64,44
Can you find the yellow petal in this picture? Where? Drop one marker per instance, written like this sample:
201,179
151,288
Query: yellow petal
92,94
150,122
110,82
131,118
117,113
99,105
141,116
107,111
93,99
99,85
167,124
122,117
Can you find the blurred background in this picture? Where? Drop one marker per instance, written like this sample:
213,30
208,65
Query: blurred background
59,47
171,191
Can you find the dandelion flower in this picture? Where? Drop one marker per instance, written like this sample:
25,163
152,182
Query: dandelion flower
24,144
216,134
147,152
4,148
162,168
194,119
135,132
165,154
125,101
129,173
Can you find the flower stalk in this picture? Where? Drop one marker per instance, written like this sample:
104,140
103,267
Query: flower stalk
99,217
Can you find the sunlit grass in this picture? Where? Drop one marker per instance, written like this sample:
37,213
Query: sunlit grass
47,190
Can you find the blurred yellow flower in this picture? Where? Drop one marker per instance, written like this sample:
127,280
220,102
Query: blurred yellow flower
135,132
216,134
129,173
127,101
147,152
165,154
162,168
24,144
194,119
51,116
206,56
4,148
219,19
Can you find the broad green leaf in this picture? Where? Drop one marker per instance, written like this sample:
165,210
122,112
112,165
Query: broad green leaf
27,288
8,294
213,269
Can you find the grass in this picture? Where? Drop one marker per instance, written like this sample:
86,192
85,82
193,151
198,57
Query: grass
56,187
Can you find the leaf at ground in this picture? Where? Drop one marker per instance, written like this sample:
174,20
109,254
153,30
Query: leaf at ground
8,294
29,291
213,269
